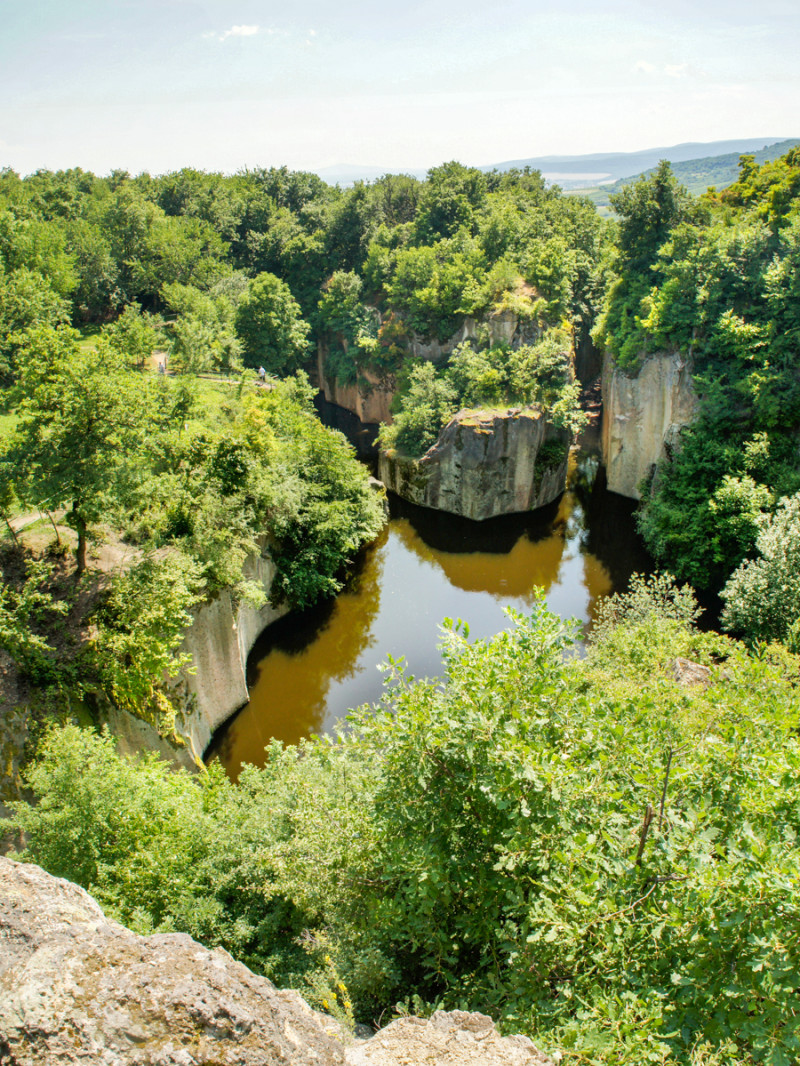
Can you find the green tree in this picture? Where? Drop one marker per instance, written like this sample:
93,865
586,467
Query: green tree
26,301
81,420
134,335
269,322
762,596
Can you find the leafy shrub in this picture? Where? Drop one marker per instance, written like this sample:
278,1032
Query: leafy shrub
762,596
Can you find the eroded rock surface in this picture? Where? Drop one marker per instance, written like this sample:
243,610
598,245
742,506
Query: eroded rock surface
449,1038
485,464
78,988
643,416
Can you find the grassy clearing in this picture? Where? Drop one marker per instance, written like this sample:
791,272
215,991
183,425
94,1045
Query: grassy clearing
88,336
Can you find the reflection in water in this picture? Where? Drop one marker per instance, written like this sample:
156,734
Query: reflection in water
307,671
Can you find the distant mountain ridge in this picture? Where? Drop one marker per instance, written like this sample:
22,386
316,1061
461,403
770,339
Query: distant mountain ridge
573,171
696,174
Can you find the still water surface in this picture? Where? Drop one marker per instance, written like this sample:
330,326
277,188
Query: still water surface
308,670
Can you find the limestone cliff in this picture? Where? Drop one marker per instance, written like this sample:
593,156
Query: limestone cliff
219,641
215,686
642,416
369,399
484,464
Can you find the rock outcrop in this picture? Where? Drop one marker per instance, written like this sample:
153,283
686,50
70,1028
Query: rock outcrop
484,464
643,416
214,686
448,1038
369,400
76,987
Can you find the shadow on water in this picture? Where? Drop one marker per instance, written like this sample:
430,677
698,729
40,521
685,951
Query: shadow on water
306,671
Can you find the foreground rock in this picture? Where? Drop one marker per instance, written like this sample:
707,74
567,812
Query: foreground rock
449,1038
485,464
78,988
643,417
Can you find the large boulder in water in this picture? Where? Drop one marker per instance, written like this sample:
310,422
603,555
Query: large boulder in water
485,464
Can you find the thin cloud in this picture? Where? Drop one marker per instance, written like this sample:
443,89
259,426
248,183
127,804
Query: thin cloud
240,31
645,67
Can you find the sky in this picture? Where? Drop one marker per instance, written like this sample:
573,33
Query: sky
156,85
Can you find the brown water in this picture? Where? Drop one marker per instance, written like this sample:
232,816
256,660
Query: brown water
308,670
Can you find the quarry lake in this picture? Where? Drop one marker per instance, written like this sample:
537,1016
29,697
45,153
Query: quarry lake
307,670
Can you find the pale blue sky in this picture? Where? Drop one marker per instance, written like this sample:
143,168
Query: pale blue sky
220,84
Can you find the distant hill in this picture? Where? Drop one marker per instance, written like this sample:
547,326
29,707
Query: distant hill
696,174
581,171
571,171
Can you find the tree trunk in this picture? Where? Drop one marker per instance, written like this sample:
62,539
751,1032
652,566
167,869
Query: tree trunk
11,530
55,527
80,553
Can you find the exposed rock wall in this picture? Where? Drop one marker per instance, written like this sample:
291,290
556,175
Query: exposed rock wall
219,641
369,402
76,987
642,415
215,685
484,464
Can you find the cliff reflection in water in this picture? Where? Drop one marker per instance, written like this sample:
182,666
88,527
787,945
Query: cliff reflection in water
307,671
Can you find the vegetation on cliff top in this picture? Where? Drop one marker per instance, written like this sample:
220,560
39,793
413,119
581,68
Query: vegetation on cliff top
193,488
717,280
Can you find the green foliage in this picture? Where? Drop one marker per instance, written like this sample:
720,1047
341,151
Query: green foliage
139,631
134,335
27,301
25,614
762,596
270,326
428,402
349,326
591,852
499,377
81,421
717,282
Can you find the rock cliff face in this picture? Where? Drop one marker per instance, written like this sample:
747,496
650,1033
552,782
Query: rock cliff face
484,464
642,416
369,401
215,686
219,641
76,987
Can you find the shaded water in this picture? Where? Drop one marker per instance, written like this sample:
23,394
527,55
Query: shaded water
308,670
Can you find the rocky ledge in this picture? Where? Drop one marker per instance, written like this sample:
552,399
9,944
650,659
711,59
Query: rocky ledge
484,464
76,987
